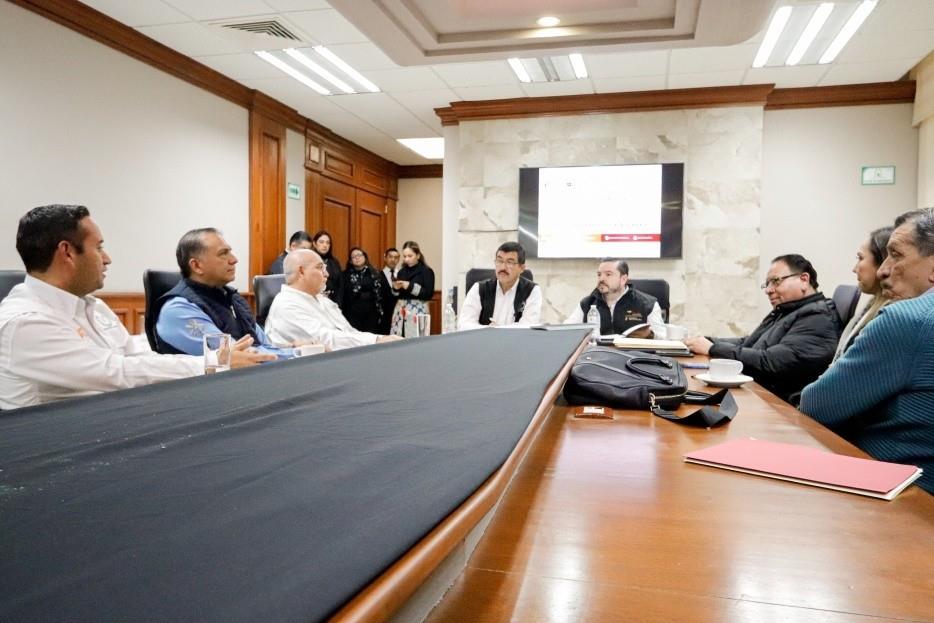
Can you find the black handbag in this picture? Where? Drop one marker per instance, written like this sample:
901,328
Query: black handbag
636,380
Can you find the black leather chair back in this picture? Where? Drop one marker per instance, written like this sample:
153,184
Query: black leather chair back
479,274
265,289
846,298
155,284
9,279
657,288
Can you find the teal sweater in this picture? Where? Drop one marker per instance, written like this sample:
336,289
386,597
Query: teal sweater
880,394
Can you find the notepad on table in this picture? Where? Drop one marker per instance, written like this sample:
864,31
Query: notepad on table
662,347
809,466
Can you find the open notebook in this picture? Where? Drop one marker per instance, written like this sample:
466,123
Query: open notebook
662,347
809,466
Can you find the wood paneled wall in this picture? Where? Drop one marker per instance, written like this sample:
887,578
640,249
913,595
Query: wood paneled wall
350,193
267,191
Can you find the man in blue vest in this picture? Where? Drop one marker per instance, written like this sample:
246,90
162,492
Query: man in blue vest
621,307
508,299
202,302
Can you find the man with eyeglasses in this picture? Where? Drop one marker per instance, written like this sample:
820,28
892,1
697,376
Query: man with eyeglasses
880,394
795,343
507,300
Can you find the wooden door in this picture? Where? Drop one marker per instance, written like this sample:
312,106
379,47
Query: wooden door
332,210
267,192
370,223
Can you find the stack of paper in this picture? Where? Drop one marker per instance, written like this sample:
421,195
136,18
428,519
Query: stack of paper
662,347
809,466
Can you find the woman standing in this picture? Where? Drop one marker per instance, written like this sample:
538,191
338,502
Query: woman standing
415,284
322,244
869,258
363,293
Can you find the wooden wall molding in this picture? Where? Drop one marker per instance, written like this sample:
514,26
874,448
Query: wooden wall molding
337,158
764,94
604,103
420,171
873,93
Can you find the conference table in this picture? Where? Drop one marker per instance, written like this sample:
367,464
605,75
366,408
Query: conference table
604,521
440,477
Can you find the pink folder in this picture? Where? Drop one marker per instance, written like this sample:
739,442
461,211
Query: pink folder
810,466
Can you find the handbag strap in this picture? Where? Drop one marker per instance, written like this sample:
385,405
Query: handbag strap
708,415
632,367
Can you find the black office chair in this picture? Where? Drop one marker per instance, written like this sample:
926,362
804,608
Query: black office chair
657,288
155,284
265,289
9,279
479,274
846,298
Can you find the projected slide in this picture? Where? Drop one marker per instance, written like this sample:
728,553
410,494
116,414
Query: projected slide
612,211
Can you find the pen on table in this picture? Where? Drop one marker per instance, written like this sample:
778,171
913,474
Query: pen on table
699,366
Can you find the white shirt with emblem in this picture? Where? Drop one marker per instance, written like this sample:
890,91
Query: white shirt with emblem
55,345
297,316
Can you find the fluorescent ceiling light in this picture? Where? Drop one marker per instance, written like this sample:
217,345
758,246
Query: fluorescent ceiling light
810,32
283,66
577,62
347,69
431,148
548,21
519,70
849,29
318,69
777,25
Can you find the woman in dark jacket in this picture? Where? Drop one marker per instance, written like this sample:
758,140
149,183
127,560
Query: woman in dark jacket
363,293
322,244
415,284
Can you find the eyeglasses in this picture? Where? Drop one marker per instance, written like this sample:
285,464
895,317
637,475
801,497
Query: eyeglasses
775,281
511,263
356,255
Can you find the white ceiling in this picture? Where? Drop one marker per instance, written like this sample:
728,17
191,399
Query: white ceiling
896,36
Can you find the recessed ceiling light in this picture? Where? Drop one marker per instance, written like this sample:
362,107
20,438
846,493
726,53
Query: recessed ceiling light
347,69
281,65
548,21
849,29
519,70
431,148
318,69
776,26
577,62
818,18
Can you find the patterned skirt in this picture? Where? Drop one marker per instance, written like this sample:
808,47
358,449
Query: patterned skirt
411,307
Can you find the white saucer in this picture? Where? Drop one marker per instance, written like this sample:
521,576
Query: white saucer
736,381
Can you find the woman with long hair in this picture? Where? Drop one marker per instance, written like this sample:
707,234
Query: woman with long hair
869,258
321,242
415,284
363,293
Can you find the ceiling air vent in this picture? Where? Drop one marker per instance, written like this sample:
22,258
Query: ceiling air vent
264,27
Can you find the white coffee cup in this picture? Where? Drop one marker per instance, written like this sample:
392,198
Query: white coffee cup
309,349
675,332
724,369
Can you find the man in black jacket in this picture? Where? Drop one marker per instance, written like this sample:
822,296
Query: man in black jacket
796,341
621,307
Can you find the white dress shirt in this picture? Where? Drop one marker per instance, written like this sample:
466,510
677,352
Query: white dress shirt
504,313
55,345
655,320
295,315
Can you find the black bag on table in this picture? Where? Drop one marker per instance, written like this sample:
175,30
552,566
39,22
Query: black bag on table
623,379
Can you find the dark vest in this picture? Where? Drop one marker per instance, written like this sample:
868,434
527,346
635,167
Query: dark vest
488,287
632,309
224,306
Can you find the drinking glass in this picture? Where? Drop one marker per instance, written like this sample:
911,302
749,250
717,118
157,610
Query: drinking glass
216,352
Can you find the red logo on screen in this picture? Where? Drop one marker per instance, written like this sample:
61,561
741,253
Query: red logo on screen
630,237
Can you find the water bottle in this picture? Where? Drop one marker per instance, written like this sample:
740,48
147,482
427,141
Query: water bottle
450,316
593,318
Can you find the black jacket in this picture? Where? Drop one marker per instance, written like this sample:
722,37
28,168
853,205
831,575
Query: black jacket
276,267
421,282
790,349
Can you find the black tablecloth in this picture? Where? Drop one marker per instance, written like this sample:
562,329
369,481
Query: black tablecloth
270,494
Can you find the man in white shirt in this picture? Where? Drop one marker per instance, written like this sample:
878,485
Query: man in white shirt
57,341
301,312
621,307
507,300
